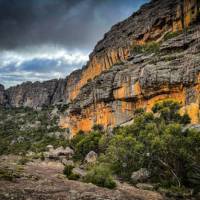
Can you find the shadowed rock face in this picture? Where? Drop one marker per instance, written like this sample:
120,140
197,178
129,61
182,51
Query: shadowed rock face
36,94
39,94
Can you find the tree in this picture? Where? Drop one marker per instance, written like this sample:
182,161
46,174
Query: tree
124,153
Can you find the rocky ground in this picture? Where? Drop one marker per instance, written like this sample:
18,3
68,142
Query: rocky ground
44,180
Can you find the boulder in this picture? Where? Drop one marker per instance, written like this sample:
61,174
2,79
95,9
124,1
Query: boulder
77,171
145,186
91,157
140,176
50,147
59,152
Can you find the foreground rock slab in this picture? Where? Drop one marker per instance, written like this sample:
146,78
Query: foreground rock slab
45,181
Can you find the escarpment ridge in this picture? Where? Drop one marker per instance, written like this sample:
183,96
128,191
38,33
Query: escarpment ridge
151,56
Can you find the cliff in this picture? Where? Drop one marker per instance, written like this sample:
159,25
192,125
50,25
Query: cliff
34,95
150,23
39,94
153,55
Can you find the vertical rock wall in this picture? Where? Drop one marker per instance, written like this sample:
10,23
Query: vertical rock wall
108,92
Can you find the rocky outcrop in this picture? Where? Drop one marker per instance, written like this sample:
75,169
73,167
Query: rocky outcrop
111,98
150,23
36,94
39,94
45,180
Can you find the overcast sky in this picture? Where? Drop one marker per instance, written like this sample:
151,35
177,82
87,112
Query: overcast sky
46,39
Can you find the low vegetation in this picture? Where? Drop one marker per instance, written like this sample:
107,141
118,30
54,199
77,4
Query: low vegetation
171,35
147,48
101,175
155,141
69,174
8,174
25,129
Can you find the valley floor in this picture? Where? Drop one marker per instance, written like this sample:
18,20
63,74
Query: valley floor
45,181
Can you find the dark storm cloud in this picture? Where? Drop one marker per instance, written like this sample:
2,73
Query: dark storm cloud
71,23
47,39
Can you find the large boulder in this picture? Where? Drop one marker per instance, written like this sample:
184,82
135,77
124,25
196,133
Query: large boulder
60,152
79,172
91,157
50,147
145,186
141,175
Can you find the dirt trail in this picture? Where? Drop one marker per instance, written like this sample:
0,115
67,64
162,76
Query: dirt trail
45,181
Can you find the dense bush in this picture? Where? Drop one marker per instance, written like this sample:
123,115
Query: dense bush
158,142
69,173
83,144
166,150
68,170
123,154
169,112
100,175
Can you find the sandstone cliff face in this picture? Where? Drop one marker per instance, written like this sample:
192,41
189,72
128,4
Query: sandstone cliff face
108,93
150,23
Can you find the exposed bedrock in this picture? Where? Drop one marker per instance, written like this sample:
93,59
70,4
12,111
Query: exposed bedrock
111,98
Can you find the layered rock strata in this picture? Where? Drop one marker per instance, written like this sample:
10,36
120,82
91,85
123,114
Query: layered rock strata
39,94
150,23
112,97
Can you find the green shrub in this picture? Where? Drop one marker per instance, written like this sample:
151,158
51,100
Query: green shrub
97,127
23,161
69,174
100,176
185,119
8,174
139,111
104,142
159,143
123,155
171,35
73,176
169,112
89,142
150,47
77,138
68,170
